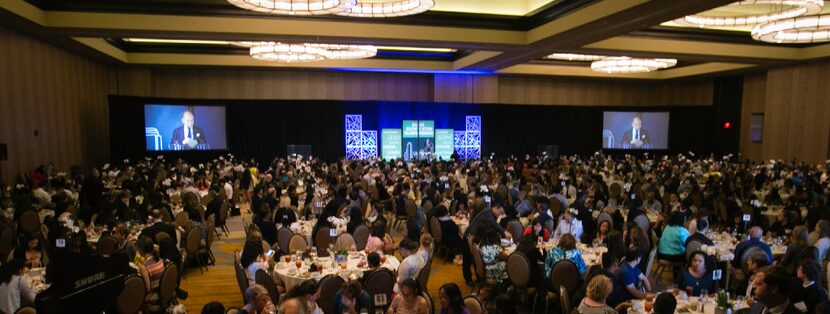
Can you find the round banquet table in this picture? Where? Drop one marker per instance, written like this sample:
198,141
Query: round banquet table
291,277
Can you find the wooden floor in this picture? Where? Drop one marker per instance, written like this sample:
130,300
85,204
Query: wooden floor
218,283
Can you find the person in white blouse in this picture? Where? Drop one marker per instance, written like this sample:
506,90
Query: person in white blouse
14,291
568,224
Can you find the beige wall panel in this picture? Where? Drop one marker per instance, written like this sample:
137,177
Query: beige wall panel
753,101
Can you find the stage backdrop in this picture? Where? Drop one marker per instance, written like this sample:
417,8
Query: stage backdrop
261,129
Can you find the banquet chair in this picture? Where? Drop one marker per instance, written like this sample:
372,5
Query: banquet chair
106,245
564,274
241,279
182,220
361,236
329,286
130,299
26,310
322,240
423,275
518,271
435,231
379,285
167,286
344,241
191,247
692,246
641,221
555,208
6,241
297,243
283,236
473,305
263,278
516,229
206,248
161,235
223,217
564,300
479,266
29,222
604,216
650,262
430,304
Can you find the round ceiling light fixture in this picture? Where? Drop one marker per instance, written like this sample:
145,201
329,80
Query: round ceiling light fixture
295,7
345,52
802,29
782,9
574,57
631,65
287,53
388,8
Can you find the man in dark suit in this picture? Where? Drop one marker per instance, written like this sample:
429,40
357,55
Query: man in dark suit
157,225
637,136
772,285
188,136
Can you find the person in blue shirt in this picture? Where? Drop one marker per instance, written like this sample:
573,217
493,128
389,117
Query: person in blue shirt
755,234
697,276
631,278
566,249
672,246
352,299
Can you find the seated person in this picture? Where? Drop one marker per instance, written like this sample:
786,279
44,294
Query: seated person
285,216
755,234
755,262
594,302
672,245
263,221
300,299
809,291
373,262
664,304
157,225
352,299
409,300
602,231
697,275
527,246
772,287
566,249
702,225
30,251
538,229
492,254
568,225
450,233
379,241
631,277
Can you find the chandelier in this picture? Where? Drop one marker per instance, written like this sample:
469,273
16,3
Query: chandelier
631,65
803,29
786,9
388,8
295,7
574,57
288,53
356,8
342,52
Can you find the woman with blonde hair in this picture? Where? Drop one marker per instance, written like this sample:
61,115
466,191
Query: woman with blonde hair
426,247
597,292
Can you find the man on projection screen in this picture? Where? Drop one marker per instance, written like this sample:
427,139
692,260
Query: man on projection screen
636,136
187,136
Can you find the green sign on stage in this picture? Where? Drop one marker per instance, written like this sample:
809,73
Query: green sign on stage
410,128
443,143
390,143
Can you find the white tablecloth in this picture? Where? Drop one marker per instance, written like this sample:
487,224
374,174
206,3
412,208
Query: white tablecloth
289,275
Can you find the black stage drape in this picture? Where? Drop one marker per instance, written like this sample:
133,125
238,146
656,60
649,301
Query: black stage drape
261,129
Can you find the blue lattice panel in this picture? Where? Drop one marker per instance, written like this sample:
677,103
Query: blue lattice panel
473,123
369,147
354,139
354,122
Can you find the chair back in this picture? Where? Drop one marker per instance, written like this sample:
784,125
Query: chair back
555,207
692,246
477,259
194,240
130,299
182,220
642,221
297,243
241,279
322,239
564,274
423,275
516,229
329,286
168,284
565,299
210,226
223,212
161,236
603,216
106,245
6,242
430,305
361,236
29,222
615,189
518,269
344,241
411,208
650,262
435,229
379,285
549,226
263,278
26,310
283,236
473,305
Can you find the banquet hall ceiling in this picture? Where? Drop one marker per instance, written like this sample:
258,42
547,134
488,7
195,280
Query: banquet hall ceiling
456,36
